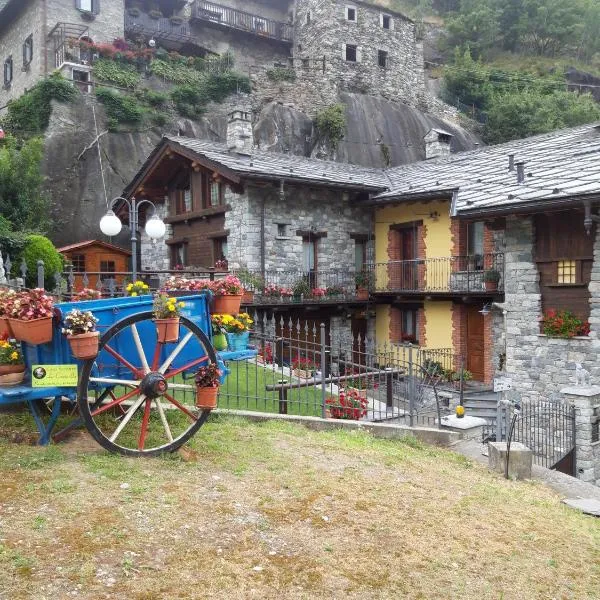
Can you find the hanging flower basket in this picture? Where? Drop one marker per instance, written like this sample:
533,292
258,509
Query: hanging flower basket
220,342
84,345
227,304
167,330
36,331
11,374
206,397
5,329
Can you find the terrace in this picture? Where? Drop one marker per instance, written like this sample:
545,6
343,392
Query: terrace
161,28
224,16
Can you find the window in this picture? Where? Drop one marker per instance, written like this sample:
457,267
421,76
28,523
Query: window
216,193
179,255
282,230
567,271
351,13
88,6
183,203
82,79
382,59
475,245
351,53
28,51
386,21
220,249
404,325
107,269
8,71
306,63
360,255
309,254
78,261
308,17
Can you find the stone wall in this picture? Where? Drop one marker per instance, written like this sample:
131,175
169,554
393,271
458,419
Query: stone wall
155,255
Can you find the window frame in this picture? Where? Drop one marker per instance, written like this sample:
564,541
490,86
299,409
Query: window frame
93,10
220,194
348,47
107,268
354,9
386,58
78,263
390,21
183,246
28,46
220,248
9,66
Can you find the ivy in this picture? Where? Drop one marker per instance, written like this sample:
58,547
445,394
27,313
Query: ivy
120,109
281,74
176,72
30,114
331,124
122,75
155,99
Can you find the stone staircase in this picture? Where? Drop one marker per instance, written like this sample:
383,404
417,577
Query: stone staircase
480,404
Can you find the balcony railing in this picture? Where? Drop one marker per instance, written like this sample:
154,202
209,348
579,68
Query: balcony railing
451,275
243,21
161,28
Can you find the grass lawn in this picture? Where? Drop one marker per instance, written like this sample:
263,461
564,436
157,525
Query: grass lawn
273,510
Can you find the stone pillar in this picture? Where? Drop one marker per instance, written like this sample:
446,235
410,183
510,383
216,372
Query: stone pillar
586,400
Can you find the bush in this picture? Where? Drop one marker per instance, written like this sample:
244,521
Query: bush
123,75
281,74
155,99
38,247
120,108
564,324
331,124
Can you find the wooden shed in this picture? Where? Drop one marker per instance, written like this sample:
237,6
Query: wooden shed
97,260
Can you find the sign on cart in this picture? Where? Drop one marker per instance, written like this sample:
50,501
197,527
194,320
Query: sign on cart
502,384
53,376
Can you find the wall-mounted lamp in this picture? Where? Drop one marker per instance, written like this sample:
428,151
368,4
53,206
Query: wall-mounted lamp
486,310
435,215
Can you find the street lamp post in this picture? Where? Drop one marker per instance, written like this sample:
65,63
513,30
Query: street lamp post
111,225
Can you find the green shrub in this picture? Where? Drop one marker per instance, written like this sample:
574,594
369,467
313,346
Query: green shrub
121,74
331,124
155,99
120,109
281,74
176,72
159,118
38,247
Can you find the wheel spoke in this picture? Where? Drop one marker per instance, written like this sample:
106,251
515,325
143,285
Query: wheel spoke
127,417
145,421
115,402
180,406
181,386
175,353
195,362
126,382
156,356
122,360
163,418
140,349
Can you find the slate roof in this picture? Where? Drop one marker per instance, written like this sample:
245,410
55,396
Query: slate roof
275,166
558,166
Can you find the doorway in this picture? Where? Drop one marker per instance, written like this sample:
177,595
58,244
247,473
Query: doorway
475,343
402,268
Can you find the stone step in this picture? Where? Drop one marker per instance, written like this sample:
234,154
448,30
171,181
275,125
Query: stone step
479,403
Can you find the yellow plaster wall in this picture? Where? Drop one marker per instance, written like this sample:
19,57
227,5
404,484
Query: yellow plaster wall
438,319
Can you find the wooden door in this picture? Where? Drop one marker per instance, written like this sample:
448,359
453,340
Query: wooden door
402,272
359,334
475,343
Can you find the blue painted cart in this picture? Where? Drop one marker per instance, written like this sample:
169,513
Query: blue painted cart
137,397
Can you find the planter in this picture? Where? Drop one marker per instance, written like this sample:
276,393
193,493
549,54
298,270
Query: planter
327,414
5,329
167,330
84,345
491,286
227,304
302,374
11,374
238,341
36,331
248,297
206,397
362,294
220,341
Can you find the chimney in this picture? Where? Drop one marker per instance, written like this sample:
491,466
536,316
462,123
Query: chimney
437,143
520,172
240,138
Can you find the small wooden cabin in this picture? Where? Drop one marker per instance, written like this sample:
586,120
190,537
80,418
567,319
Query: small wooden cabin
97,260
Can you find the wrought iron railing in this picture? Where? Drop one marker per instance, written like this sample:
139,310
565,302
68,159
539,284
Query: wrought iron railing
160,28
455,274
241,20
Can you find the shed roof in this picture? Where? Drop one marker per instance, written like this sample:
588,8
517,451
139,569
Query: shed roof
559,167
90,243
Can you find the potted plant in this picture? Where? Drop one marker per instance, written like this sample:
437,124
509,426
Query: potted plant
6,298
80,329
272,291
219,332
350,405
251,283
12,365
137,288
228,295
333,291
303,367
166,312
237,329
207,386
301,289
491,278
318,293
30,316
363,280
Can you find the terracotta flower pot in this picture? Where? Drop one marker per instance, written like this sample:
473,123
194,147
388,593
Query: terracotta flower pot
206,397
362,294
227,304
5,329
84,345
491,286
248,297
167,330
11,374
36,331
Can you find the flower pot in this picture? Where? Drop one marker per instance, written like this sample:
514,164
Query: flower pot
327,414
227,304
302,373
206,397
362,294
167,330
5,329
220,341
491,286
248,297
36,331
84,345
238,341
11,374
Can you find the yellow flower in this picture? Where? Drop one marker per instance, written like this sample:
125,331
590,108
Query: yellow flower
134,293
171,308
130,287
14,356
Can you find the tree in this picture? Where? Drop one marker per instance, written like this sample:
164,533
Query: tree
474,26
467,81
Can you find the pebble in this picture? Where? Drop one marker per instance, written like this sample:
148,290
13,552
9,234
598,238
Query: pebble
257,568
124,486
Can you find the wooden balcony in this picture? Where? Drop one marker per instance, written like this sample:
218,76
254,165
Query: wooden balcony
455,275
224,16
160,29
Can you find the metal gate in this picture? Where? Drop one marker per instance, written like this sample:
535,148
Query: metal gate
546,427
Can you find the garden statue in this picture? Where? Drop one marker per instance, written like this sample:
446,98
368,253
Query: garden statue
582,376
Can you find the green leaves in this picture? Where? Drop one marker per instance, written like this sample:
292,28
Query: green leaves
121,74
331,124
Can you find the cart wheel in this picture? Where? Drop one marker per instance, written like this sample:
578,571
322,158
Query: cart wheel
137,396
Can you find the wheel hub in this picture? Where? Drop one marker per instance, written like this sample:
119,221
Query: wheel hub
153,385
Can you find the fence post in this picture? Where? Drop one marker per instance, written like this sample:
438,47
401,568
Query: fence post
389,382
40,274
283,405
323,370
411,386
